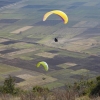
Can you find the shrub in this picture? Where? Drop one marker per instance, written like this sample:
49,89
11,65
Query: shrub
98,78
40,89
96,89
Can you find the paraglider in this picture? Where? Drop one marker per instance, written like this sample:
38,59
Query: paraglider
59,13
44,64
55,39
43,78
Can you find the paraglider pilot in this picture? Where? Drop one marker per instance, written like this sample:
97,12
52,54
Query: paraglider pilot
55,39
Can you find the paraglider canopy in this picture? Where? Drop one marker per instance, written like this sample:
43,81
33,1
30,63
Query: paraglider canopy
55,39
63,16
44,64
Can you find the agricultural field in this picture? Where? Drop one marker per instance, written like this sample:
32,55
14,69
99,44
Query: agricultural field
25,40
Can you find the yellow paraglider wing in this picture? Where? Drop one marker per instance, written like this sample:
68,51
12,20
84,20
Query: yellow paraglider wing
59,13
44,64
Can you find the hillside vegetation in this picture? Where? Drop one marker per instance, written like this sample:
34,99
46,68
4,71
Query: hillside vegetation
82,90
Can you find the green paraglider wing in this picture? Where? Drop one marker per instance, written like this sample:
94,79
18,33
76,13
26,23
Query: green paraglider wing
44,64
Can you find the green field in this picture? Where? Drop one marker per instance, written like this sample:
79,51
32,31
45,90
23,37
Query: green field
6,69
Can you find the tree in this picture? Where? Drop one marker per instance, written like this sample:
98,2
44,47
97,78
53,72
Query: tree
9,85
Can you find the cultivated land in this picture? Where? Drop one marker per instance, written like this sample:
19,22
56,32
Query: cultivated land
25,40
